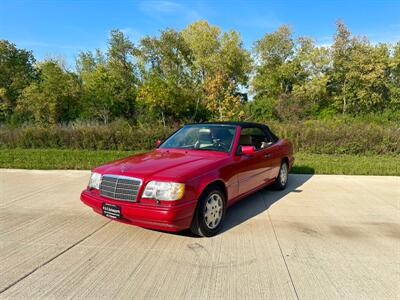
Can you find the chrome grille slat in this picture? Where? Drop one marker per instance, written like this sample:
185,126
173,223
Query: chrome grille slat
121,183
120,187
111,190
124,189
113,180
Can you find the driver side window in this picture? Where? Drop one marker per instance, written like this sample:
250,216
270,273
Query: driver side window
253,136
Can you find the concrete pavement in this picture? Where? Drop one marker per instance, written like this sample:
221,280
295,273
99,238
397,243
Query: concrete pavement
325,237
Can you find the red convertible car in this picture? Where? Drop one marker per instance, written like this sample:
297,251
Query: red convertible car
191,178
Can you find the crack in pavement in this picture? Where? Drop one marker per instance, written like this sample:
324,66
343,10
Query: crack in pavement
53,258
280,249
283,257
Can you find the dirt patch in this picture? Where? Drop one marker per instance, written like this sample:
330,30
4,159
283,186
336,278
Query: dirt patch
388,229
348,232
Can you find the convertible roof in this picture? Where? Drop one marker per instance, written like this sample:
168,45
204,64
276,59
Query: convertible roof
235,123
243,124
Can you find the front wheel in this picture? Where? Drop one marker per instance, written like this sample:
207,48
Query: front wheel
281,180
210,213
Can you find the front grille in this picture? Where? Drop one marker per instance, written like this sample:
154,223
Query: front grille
120,187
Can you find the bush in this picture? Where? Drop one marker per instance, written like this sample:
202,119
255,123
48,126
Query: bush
341,136
116,136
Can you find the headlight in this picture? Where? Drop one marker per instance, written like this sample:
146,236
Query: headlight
95,180
161,190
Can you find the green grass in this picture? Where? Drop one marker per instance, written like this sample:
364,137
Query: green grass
48,159
305,163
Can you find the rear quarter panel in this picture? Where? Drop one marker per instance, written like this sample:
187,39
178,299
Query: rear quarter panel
287,151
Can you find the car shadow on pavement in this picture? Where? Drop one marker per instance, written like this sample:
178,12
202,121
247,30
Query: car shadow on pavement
260,201
253,205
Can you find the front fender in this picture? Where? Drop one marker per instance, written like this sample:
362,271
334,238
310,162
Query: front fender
198,184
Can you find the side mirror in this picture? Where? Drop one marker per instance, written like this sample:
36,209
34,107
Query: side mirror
158,143
247,150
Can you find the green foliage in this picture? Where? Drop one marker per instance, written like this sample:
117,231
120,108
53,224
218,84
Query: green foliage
109,81
179,70
217,53
168,87
340,136
394,83
221,99
16,72
366,86
202,73
103,98
276,69
50,159
119,135
300,80
54,98
305,163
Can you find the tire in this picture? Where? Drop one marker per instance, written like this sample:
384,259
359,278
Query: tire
210,213
281,180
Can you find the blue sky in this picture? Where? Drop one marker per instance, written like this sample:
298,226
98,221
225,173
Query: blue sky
65,27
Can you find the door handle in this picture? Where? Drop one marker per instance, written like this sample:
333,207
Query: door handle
267,155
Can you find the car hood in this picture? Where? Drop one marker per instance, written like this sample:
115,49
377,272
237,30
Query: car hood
163,164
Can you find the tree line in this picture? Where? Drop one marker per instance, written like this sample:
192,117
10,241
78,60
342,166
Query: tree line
202,73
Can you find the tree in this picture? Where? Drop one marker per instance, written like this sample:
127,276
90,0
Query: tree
275,72
311,87
218,58
87,61
367,80
395,78
168,55
215,53
341,49
109,81
168,86
17,71
204,41
52,99
221,99
165,99
234,60
121,63
101,97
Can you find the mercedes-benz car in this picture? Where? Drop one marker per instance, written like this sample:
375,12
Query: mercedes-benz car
191,178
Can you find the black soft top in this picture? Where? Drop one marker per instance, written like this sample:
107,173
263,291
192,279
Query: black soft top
273,137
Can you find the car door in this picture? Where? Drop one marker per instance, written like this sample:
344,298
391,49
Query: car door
271,163
256,169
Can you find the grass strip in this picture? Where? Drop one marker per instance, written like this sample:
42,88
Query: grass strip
306,163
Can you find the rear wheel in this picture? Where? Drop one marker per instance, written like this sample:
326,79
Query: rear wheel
281,180
210,213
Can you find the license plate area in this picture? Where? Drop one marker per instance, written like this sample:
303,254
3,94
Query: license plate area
111,211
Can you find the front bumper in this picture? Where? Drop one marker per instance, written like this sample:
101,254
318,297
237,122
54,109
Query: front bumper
169,218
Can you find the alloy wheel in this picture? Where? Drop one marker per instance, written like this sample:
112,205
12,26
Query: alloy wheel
213,211
283,175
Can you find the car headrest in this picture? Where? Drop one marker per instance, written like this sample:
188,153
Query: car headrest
205,137
245,140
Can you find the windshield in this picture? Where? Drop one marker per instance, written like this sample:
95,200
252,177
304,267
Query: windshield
202,137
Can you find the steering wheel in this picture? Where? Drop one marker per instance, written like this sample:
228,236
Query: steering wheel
218,143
